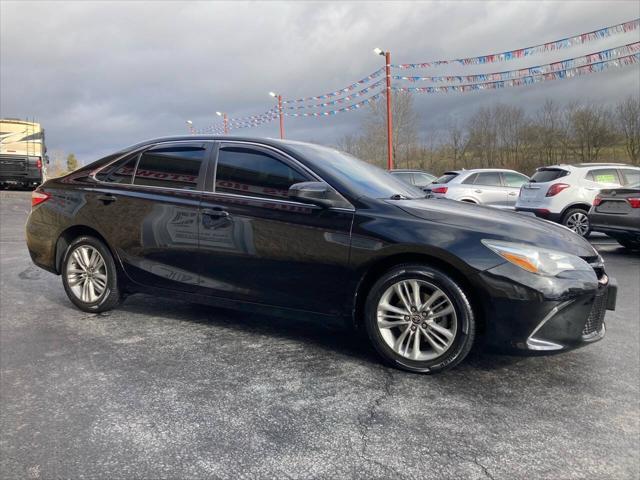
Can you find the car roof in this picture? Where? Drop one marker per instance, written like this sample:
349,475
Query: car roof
179,138
570,166
477,170
409,170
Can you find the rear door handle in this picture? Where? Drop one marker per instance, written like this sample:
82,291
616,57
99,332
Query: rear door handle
513,194
106,199
215,212
478,191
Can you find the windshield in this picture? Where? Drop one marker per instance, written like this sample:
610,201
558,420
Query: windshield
362,177
547,175
446,178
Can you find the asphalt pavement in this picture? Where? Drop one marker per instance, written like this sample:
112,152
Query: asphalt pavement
163,389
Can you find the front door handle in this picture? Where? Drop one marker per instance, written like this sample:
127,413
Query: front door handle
513,194
215,212
478,191
106,199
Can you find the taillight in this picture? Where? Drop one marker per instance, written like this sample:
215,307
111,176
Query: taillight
597,201
38,197
634,202
439,190
556,188
39,164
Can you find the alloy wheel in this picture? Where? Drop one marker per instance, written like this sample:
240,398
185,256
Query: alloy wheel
579,223
416,320
87,274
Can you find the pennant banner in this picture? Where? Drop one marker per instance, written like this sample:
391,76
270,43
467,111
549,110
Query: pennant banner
342,91
528,51
348,108
342,100
525,72
529,80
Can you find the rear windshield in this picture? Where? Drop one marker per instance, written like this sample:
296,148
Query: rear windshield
446,178
548,175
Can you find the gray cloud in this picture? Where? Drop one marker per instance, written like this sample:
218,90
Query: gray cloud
101,75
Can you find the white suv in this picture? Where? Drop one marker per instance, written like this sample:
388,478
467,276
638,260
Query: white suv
565,193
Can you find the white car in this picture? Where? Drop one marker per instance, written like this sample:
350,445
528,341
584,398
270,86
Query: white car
565,193
494,187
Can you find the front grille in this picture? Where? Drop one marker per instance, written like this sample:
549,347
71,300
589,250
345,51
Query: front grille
596,316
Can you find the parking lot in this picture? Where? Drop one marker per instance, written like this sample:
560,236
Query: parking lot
162,389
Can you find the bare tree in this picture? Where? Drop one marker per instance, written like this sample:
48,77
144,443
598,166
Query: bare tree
628,119
459,143
591,129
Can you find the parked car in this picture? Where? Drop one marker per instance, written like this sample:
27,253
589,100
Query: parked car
492,187
419,178
565,193
307,231
616,212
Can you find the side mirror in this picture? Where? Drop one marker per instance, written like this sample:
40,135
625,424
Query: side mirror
317,193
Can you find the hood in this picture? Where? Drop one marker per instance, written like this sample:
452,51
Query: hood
498,224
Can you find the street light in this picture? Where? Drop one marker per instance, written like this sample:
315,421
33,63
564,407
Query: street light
190,127
225,120
279,97
387,64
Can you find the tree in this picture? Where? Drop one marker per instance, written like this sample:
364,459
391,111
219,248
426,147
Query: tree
72,162
459,142
591,130
628,119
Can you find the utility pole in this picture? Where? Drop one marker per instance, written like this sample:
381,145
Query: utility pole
387,58
280,113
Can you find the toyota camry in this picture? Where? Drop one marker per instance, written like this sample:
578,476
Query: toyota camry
310,232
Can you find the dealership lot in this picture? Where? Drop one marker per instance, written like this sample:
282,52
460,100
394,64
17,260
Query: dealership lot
161,389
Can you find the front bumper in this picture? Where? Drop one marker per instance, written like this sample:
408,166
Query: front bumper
533,314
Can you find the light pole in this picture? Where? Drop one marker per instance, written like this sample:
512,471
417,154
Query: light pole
387,57
190,127
225,121
279,97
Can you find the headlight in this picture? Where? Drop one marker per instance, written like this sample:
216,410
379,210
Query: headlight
542,261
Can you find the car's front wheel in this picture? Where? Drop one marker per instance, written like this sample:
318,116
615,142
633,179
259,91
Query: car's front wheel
577,219
419,319
89,275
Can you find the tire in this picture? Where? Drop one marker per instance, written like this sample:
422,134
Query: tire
577,220
629,243
102,276
460,323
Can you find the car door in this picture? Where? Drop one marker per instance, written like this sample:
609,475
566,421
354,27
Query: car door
148,212
487,187
512,182
259,246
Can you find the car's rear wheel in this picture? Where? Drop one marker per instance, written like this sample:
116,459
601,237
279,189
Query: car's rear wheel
577,219
419,319
89,275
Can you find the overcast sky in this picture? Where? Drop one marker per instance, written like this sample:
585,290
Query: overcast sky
103,75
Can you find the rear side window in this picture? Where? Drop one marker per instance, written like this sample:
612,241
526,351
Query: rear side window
119,172
422,179
446,178
604,176
631,177
406,177
175,166
491,179
246,171
514,179
548,175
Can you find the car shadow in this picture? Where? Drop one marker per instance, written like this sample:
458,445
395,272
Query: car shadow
331,337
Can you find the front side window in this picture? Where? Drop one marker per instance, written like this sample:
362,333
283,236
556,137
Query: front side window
119,172
604,176
491,179
173,166
514,179
246,171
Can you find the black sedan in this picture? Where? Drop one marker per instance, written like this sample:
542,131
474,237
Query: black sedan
307,231
616,212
